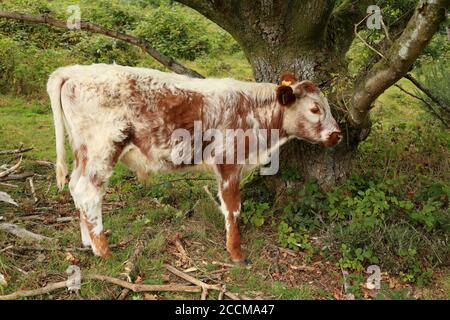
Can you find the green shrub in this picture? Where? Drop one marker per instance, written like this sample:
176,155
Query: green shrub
173,34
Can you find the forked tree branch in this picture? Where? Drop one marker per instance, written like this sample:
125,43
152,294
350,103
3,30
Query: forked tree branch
406,49
168,62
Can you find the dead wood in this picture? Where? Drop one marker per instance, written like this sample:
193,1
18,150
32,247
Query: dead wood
23,233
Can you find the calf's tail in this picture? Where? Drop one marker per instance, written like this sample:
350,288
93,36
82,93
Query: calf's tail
54,86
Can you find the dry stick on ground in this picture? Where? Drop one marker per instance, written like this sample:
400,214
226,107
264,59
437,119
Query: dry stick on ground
11,170
22,233
130,264
204,294
184,256
36,292
22,176
170,63
4,197
50,248
199,283
8,185
133,287
45,163
16,151
33,190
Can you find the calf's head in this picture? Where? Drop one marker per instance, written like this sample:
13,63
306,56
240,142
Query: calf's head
307,113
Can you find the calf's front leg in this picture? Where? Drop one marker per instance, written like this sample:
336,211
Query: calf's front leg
230,198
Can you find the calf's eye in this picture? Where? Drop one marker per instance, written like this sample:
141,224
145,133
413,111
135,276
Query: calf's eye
315,110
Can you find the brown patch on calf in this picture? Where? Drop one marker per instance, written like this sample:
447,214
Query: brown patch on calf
81,158
98,242
161,111
234,240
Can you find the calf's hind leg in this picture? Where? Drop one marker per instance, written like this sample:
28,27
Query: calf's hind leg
88,189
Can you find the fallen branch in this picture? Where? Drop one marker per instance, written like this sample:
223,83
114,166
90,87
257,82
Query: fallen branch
11,170
204,286
133,287
204,294
130,264
45,163
22,233
33,190
36,292
16,151
4,197
8,185
144,287
168,62
59,248
22,176
184,256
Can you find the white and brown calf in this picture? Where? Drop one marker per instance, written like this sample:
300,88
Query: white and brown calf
114,113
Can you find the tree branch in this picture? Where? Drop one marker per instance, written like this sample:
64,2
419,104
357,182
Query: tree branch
428,92
406,49
426,104
169,62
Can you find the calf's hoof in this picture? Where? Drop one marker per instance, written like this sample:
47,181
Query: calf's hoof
243,262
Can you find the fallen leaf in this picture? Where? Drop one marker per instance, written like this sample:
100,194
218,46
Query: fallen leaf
70,258
4,197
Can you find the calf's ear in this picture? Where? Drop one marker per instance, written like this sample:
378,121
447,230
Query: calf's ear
285,95
304,87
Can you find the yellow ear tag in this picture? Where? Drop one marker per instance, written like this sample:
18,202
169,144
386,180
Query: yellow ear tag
286,83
